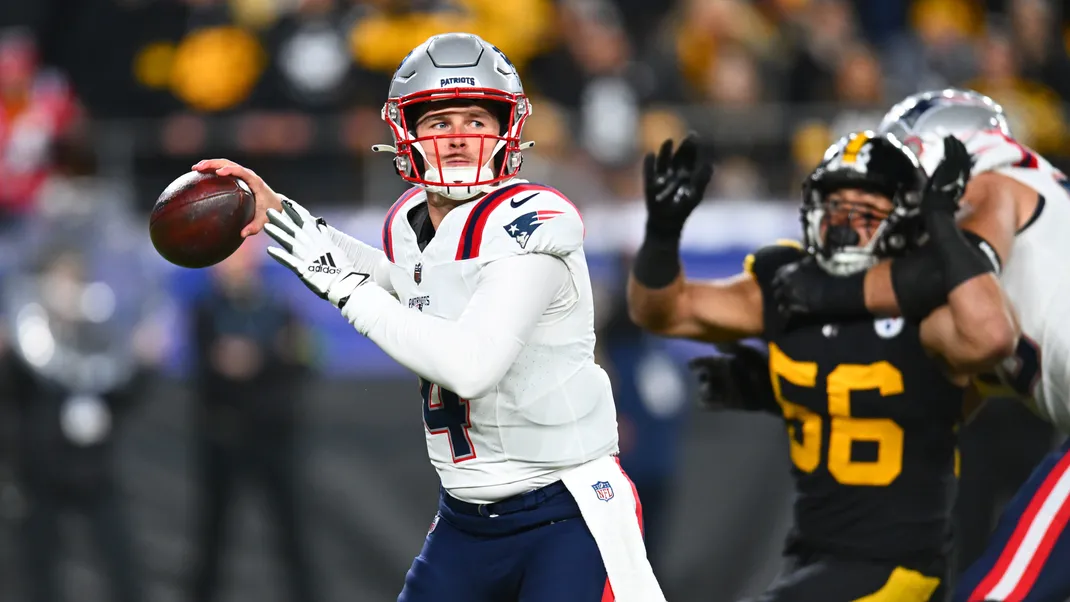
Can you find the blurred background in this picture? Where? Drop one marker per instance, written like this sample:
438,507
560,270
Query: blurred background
220,434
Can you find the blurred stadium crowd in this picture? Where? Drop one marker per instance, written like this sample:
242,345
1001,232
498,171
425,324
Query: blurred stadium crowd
103,102
299,83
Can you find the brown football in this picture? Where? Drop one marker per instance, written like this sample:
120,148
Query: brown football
198,219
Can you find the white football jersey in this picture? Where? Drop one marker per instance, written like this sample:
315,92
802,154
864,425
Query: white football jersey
554,408
1035,276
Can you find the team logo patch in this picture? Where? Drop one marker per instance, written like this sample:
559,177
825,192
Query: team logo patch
420,302
434,523
522,227
888,327
603,490
418,272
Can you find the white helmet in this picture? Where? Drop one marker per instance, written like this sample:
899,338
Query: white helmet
456,66
948,112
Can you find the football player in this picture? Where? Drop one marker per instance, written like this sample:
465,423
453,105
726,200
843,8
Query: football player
482,289
871,405
1013,210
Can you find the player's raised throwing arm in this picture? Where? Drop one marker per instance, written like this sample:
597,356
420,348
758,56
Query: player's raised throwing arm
469,355
660,298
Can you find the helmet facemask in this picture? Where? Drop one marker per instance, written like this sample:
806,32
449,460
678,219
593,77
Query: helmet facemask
871,164
499,157
831,231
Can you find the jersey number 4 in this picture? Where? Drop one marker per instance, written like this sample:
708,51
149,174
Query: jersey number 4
446,413
844,429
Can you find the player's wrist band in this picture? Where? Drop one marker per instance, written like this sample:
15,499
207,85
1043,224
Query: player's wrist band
657,263
961,259
918,282
918,278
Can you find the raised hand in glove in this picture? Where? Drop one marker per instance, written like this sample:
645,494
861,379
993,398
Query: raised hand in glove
736,380
948,182
308,251
674,183
940,201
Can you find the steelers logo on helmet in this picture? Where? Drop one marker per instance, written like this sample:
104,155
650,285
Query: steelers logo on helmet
861,203
456,70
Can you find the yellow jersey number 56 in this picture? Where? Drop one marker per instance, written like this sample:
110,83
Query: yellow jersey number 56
844,429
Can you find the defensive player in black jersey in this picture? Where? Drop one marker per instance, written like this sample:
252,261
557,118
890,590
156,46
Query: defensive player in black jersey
871,406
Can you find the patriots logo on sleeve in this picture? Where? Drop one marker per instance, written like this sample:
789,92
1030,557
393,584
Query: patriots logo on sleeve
522,227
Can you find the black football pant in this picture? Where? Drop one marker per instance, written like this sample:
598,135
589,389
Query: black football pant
828,579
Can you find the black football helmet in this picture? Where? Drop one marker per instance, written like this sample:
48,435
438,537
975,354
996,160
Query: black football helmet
872,162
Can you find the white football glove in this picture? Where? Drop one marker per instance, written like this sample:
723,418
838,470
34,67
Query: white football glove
308,251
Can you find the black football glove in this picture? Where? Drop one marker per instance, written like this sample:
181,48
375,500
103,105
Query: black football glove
736,380
674,184
961,259
948,182
803,288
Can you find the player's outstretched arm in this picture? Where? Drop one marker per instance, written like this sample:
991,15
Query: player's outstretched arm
356,251
470,355
713,311
977,328
660,298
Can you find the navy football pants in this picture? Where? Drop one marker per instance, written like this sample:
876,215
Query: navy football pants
533,547
1028,556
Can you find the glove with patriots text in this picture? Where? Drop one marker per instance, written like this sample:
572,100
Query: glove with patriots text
308,251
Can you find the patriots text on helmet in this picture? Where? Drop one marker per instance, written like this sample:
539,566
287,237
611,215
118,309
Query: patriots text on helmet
456,81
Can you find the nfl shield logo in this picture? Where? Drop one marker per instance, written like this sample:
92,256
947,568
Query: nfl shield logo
418,272
603,490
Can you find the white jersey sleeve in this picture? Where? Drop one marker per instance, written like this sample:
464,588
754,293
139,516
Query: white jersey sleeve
363,256
470,355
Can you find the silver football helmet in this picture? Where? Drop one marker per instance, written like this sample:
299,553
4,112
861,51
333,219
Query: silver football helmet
960,113
450,67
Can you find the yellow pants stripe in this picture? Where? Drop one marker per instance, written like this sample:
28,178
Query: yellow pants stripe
904,585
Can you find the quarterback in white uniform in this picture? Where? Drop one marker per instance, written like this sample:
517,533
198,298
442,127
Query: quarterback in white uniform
1015,210
481,288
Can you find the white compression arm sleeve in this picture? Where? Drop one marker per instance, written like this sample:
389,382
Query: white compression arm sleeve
470,355
363,256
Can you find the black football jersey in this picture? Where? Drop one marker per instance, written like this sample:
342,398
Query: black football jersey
872,421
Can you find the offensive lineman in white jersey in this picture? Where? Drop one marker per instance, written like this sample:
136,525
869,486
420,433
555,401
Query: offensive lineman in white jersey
1015,210
482,290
